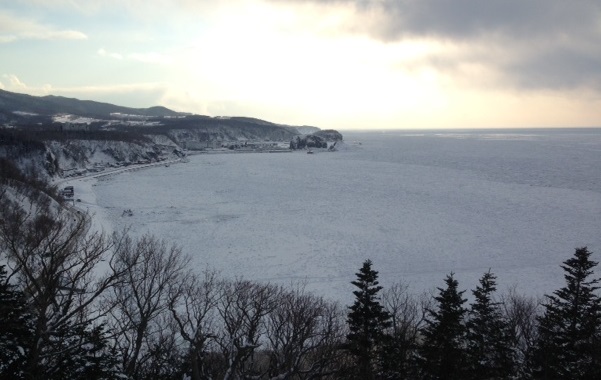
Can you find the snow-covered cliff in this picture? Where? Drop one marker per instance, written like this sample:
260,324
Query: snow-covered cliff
73,157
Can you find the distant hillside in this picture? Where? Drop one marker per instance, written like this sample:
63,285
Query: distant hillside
52,105
23,110
58,136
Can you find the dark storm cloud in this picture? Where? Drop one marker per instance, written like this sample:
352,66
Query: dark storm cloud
466,19
561,67
469,18
544,43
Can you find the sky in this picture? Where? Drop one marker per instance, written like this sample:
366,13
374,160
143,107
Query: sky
341,64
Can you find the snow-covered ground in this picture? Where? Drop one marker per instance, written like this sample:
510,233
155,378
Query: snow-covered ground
419,205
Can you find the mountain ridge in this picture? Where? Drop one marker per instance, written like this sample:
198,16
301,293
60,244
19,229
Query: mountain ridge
54,104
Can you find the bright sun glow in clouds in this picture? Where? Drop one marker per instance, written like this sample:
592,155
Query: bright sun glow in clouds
334,64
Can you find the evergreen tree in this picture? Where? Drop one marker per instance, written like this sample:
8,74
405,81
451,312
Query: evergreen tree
442,355
80,353
489,344
15,330
367,321
569,344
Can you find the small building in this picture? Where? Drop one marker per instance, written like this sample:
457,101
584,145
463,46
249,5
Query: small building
200,145
68,192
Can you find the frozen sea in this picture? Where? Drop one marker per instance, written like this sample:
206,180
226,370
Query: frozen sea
418,204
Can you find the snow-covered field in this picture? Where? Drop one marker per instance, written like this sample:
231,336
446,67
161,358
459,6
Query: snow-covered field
419,205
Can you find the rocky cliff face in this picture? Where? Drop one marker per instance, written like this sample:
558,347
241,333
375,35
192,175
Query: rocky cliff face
77,157
228,133
318,139
329,135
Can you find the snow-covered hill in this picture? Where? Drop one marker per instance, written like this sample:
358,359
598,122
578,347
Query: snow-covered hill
56,136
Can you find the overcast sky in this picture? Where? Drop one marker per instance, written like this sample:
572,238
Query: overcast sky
343,64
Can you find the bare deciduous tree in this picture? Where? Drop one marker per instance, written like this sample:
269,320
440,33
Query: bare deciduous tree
163,356
407,311
304,332
58,263
239,329
151,270
408,314
242,307
194,310
521,313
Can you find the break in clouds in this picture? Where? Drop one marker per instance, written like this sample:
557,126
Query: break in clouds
534,44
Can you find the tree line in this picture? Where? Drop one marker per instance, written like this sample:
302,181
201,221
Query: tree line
510,337
76,303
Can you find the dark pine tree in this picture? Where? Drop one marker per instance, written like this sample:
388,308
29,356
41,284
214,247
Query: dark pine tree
15,330
442,354
73,354
367,321
490,353
569,344
80,353
100,361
